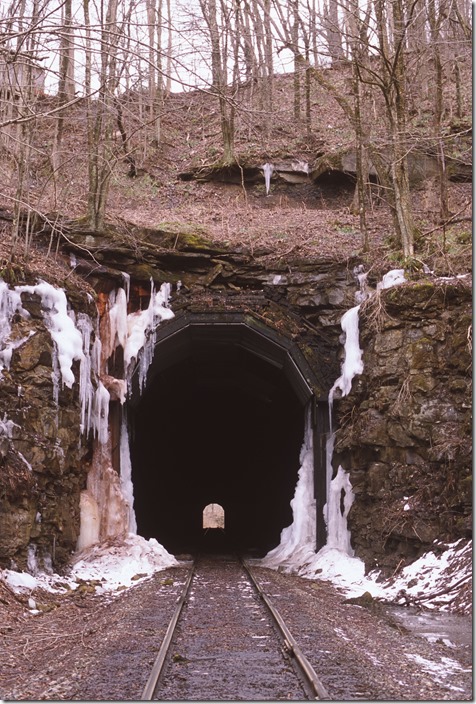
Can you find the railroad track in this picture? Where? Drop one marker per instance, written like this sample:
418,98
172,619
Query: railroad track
226,641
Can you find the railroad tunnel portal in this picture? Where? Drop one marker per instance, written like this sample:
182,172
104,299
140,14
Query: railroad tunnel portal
220,420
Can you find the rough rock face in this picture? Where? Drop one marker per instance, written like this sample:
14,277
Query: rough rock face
42,457
405,429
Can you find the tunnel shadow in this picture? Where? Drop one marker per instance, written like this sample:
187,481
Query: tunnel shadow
221,424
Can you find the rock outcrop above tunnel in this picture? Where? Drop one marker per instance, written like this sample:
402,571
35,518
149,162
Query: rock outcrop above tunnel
405,429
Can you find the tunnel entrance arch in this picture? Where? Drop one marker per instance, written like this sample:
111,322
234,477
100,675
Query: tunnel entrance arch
222,412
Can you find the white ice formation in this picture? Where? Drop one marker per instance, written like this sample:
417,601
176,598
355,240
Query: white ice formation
296,550
106,506
297,544
268,172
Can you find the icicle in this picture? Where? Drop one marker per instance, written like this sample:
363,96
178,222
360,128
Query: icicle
31,562
268,172
86,389
55,374
25,461
363,293
100,413
127,284
117,320
126,475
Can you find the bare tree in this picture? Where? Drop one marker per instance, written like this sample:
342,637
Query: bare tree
66,85
333,31
219,37
99,119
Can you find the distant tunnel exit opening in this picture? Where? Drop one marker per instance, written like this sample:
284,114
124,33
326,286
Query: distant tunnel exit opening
216,419
213,516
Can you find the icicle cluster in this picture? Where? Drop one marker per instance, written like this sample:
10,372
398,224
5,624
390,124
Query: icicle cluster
141,332
10,303
72,337
340,495
107,504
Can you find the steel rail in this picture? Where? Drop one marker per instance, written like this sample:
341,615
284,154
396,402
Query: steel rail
158,665
304,666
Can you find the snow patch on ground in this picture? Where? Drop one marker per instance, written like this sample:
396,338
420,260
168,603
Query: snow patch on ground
446,566
440,670
117,564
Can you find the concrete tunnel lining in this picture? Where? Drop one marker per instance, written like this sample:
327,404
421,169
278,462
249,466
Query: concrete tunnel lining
221,419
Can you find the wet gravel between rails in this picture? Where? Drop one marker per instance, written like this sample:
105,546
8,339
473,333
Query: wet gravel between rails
364,653
226,647
102,648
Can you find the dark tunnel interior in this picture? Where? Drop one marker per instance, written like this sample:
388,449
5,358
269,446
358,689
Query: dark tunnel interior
220,426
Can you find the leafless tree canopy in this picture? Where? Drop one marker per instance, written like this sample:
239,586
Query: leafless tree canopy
55,54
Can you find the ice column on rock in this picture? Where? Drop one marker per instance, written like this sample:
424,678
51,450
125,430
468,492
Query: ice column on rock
126,475
352,364
298,540
339,489
10,303
340,495
339,500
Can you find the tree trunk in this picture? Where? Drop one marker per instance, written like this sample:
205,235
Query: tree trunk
435,24
219,85
100,158
298,63
333,33
393,86
65,86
